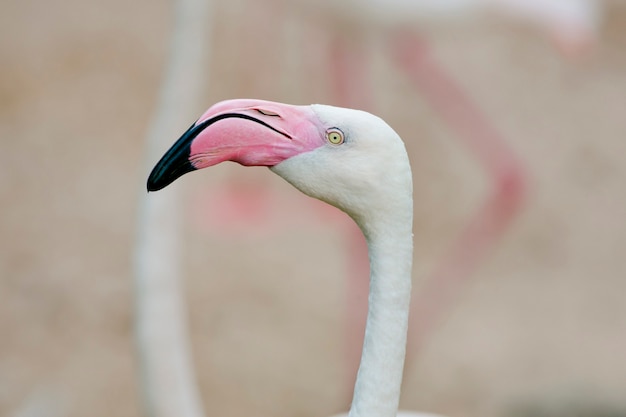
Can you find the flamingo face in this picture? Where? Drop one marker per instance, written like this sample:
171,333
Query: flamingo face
249,132
348,158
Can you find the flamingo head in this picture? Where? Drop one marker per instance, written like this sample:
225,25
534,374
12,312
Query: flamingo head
348,158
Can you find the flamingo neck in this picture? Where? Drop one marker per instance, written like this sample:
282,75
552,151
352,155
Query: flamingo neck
390,247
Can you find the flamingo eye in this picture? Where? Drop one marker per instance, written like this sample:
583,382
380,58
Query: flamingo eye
335,136
267,113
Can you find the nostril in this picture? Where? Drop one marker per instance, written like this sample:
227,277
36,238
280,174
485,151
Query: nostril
267,112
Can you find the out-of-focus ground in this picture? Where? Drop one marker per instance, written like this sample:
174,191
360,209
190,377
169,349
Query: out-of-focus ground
541,331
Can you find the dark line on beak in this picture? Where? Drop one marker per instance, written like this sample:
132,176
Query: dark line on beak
219,117
175,162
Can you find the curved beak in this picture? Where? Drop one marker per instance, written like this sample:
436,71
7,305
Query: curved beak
249,132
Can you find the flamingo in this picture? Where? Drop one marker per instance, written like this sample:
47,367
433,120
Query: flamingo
352,160
570,24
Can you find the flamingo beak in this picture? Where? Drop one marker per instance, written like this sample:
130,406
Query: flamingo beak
249,132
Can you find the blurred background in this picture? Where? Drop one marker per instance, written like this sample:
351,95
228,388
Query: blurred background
537,325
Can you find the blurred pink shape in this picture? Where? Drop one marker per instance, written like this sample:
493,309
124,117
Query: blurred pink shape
242,209
501,165
483,230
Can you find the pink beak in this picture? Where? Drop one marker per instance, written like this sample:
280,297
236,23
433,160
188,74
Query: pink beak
249,132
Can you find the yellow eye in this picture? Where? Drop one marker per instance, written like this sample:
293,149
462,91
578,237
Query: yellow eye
334,136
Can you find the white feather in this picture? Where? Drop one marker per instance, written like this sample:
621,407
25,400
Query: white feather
369,177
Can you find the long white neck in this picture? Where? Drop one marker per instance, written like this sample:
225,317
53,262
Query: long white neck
390,245
369,179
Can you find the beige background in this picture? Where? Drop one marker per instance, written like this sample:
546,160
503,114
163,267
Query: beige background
540,331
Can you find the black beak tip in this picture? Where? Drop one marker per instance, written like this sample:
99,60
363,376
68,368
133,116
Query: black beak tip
166,172
175,163
154,185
